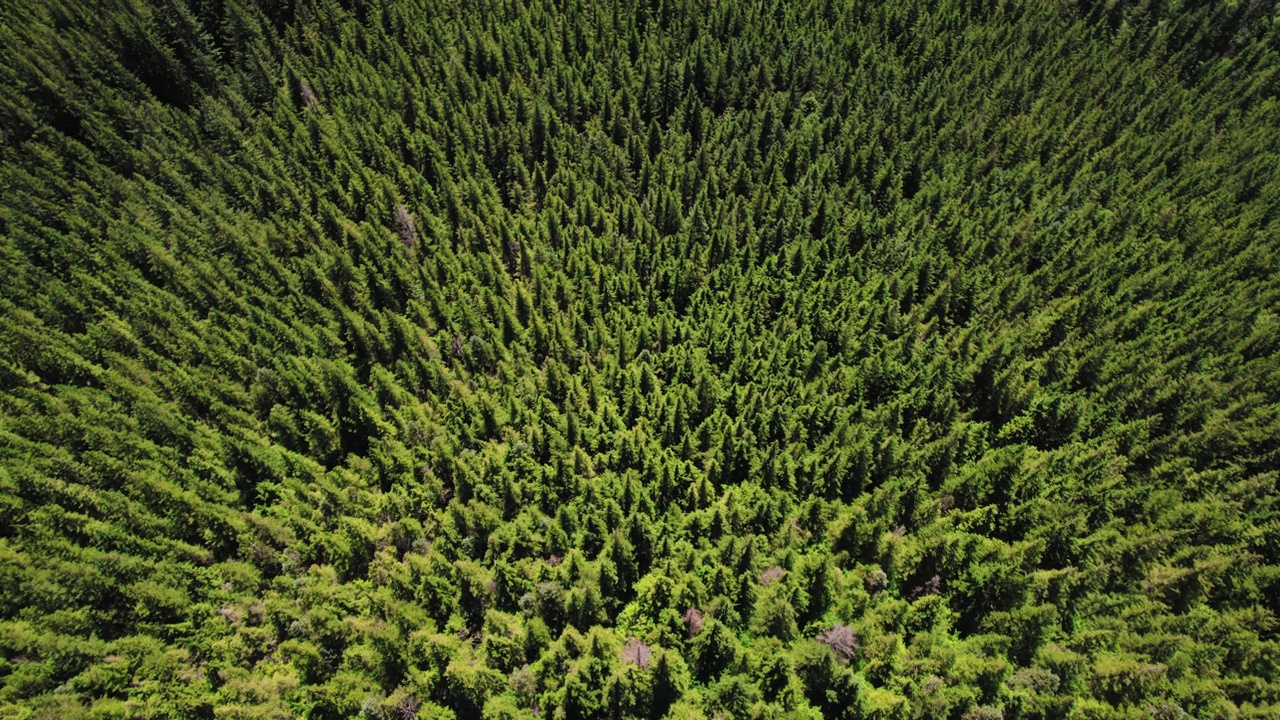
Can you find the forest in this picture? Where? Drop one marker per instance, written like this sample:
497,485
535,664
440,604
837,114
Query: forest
687,359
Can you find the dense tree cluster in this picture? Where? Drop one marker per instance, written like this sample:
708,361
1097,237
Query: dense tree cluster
669,358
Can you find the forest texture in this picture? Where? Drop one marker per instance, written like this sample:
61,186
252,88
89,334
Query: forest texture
668,359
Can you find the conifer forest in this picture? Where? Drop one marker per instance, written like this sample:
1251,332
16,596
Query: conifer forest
687,359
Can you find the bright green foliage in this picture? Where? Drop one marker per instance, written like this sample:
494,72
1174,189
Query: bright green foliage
684,359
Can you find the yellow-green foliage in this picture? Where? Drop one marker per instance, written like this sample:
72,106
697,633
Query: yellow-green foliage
671,358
